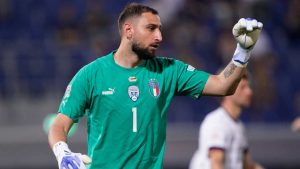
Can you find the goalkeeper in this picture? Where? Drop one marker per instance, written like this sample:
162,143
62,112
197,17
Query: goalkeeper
127,93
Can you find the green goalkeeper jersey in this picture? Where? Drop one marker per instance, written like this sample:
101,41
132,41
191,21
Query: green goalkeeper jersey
126,108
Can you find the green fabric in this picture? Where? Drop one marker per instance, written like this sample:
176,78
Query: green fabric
101,90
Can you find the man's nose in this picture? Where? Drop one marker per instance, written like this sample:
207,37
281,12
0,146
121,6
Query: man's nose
158,36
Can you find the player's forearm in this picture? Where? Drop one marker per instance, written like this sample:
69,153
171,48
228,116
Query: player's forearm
217,158
229,78
59,129
217,165
224,83
56,134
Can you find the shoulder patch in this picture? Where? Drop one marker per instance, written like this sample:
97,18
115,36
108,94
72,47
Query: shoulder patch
190,68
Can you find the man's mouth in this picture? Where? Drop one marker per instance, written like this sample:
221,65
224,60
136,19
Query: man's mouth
155,46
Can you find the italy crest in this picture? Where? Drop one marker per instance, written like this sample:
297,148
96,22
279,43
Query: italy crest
154,87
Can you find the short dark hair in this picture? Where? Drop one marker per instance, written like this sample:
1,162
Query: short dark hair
133,9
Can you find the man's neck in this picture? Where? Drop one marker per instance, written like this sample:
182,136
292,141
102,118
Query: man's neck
125,57
232,109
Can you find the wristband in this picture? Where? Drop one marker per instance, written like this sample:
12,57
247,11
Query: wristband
60,148
241,56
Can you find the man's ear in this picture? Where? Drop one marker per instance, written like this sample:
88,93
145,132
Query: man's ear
128,30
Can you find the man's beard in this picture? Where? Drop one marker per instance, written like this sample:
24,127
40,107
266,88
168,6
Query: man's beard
142,53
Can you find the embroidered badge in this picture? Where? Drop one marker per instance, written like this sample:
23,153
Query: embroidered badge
154,87
133,92
132,79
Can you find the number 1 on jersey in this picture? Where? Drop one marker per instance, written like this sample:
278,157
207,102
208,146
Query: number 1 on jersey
134,119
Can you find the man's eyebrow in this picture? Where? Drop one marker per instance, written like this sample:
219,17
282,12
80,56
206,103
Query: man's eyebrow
155,25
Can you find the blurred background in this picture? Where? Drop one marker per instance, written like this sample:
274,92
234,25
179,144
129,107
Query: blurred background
44,43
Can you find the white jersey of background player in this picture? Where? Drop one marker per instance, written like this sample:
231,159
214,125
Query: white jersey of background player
222,138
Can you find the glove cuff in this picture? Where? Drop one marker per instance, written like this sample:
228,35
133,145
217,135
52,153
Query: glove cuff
241,56
60,148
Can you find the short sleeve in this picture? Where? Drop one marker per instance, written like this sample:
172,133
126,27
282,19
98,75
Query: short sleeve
74,102
215,135
190,81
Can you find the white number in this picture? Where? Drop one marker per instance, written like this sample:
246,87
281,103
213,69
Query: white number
134,119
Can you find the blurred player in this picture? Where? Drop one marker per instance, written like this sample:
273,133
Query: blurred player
295,126
222,138
127,93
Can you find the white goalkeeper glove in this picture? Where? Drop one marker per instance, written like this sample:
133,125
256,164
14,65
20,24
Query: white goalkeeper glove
67,159
246,33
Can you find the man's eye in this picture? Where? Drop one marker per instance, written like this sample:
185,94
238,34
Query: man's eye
151,28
